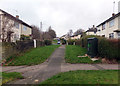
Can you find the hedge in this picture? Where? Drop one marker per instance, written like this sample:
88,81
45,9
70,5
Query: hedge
107,48
15,48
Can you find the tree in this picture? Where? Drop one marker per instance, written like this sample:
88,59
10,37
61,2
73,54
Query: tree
51,32
36,33
79,31
7,28
69,33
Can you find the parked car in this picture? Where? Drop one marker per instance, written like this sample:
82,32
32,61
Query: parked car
58,42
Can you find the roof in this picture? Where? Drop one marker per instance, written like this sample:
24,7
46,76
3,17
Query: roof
75,35
111,18
14,18
92,30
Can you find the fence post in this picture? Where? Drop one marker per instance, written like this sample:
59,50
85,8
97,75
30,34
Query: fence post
34,43
67,43
74,43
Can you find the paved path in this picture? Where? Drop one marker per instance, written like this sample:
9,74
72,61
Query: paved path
54,65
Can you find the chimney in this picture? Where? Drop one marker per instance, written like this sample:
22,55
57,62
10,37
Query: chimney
113,14
17,16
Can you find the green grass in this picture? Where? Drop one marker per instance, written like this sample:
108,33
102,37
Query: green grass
85,77
54,41
72,52
7,77
34,56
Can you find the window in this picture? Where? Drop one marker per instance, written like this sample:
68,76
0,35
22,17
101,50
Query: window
118,35
111,35
24,28
103,26
17,25
103,35
111,23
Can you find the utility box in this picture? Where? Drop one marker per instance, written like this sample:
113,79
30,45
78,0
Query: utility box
92,46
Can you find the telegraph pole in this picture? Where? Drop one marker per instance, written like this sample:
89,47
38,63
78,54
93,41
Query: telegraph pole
114,7
41,25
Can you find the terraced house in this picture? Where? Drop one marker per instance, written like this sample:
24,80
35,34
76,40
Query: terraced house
110,28
11,28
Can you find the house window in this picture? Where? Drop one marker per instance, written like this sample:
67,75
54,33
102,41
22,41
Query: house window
111,35
118,35
24,28
103,35
111,23
103,26
17,25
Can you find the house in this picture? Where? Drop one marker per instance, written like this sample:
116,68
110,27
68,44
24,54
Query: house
110,28
76,37
64,37
91,31
13,24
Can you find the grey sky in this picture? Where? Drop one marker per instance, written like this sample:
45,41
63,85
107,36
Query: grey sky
62,15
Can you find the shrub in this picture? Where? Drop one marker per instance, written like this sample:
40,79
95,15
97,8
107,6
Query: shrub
108,48
24,37
71,42
47,42
63,41
40,43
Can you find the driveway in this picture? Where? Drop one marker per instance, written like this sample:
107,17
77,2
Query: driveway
54,65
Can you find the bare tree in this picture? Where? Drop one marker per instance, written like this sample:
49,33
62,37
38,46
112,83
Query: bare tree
51,32
7,28
69,33
79,31
35,32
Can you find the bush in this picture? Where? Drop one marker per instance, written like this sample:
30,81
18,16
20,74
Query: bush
40,43
63,41
47,42
24,37
107,48
71,42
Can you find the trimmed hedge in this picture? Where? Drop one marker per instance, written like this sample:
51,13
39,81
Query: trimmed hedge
71,42
47,42
12,49
107,48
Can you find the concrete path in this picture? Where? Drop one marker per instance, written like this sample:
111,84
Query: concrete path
54,65
38,73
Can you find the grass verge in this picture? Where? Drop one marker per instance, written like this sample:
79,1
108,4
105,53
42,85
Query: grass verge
72,52
34,56
7,77
85,77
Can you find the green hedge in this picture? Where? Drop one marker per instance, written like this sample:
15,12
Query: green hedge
47,42
107,48
70,42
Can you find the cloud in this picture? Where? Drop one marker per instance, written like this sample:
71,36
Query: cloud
62,15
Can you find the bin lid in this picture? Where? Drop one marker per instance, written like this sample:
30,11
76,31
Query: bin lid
92,38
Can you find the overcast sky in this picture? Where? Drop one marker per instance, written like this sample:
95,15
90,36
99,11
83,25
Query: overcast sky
62,15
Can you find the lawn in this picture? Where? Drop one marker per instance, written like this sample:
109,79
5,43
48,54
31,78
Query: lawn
54,41
85,77
72,52
7,77
34,56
